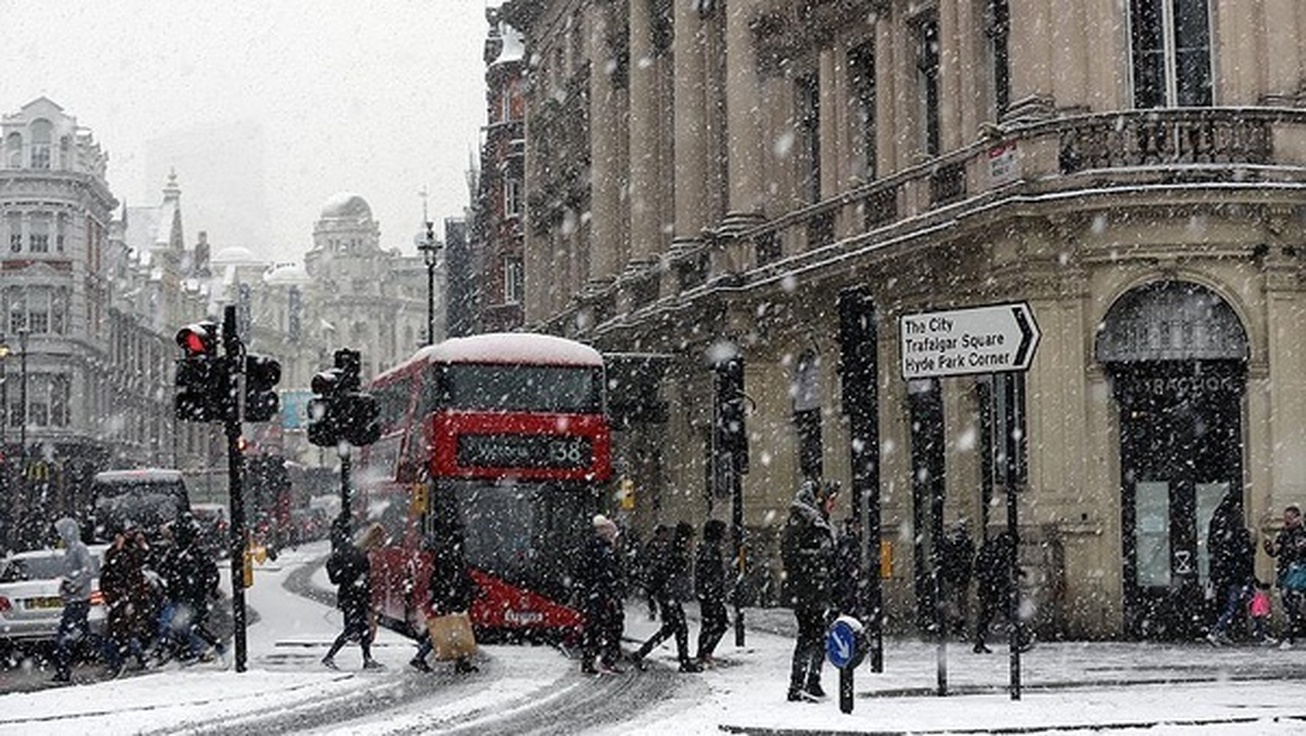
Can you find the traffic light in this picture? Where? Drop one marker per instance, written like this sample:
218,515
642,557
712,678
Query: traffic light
732,435
261,377
324,409
339,411
202,376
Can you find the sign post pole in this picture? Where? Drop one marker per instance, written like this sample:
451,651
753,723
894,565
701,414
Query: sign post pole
845,647
1000,340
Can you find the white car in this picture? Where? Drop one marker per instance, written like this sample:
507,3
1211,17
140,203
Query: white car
30,606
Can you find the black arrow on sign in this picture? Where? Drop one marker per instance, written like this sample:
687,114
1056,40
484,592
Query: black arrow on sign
1026,335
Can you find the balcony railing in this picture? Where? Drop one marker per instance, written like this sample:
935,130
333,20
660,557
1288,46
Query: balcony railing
1080,153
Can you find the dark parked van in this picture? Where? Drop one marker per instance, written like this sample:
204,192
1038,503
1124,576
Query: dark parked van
146,498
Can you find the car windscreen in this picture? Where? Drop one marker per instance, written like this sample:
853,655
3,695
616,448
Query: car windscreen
148,505
31,568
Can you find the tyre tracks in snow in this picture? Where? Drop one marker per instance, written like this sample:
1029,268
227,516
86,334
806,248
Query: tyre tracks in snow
407,704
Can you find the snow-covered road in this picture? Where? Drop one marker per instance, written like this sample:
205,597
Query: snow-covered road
1103,686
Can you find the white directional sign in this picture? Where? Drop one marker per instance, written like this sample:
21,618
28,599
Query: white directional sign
992,339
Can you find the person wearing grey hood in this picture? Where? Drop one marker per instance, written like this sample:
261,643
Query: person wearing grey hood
807,548
75,590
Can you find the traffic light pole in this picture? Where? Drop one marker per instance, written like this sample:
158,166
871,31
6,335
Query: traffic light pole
239,532
345,513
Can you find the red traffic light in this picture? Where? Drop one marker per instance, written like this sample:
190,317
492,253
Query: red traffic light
198,339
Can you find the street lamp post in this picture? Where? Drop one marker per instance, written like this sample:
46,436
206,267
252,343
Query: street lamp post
6,501
430,256
21,485
4,398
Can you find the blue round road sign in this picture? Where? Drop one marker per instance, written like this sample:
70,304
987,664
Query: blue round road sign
843,644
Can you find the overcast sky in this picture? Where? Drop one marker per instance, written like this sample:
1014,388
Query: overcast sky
382,99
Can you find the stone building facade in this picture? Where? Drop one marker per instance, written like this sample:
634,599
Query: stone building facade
57,329
789,179
500,201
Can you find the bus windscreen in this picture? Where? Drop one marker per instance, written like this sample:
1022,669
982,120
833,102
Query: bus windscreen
543,388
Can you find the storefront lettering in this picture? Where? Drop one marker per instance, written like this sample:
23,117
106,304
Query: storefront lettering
1188,385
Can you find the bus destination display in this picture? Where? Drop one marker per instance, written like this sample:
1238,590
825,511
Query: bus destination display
524,451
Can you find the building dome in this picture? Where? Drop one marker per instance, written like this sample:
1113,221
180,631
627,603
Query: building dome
346,205
287,274
234,255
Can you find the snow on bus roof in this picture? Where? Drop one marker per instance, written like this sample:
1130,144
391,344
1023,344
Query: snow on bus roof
149,475
505,347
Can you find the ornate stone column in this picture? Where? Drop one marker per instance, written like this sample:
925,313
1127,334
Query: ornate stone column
1031,60
691,135
604,244
743,139
645,139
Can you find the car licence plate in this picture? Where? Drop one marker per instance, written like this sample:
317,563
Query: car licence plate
46,602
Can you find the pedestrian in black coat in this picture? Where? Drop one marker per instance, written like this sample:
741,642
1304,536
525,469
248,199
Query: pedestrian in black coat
600,591
710,587
956,561
807,548
190,576
1224,542
993,585
130,598
668,579
349,568
450,590
1233,564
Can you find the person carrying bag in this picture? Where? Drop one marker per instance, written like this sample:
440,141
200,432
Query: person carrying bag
451,590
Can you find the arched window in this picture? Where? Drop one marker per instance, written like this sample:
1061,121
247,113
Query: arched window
38,236
60,232
66,152
41,140
14,224
14,151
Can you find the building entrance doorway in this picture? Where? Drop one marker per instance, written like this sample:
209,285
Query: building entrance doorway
1176,356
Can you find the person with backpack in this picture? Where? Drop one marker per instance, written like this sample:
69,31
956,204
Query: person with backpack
349,569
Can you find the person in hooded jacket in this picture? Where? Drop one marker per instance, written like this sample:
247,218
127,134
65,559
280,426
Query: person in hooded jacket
668,579
710,587
600,590
75,591
807,548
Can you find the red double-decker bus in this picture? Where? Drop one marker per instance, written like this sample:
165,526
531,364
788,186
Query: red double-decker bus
504,435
